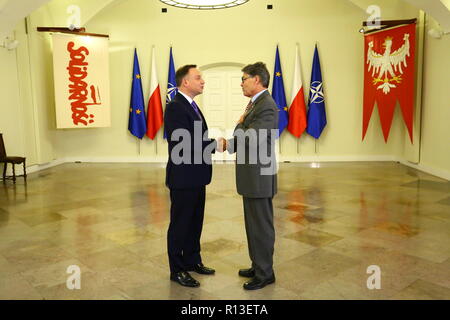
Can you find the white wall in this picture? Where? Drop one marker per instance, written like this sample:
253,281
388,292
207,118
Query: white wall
435,146
10,110
244,34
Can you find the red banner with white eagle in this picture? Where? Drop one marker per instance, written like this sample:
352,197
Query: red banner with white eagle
389,76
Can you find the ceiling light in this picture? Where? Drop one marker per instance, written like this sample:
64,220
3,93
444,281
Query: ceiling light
204,4
437,33
10,44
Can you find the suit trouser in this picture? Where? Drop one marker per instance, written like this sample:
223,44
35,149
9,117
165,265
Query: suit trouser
258,214
186,222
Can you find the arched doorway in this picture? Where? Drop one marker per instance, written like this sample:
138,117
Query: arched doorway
222,100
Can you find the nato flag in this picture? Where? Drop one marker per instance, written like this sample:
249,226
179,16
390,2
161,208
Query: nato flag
171,83
137,123
278,94
317,119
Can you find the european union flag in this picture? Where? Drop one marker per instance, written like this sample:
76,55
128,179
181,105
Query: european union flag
279,96
171,83
137,123
317,119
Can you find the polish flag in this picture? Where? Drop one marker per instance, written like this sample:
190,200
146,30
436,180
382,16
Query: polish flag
154,111
297,110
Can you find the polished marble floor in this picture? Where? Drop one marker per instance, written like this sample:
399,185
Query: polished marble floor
332,223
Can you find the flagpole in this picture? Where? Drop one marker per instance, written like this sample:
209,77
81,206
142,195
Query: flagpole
315,146
139,146
279,139
298,148
156,143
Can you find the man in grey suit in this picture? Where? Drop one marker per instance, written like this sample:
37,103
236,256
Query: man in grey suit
256,180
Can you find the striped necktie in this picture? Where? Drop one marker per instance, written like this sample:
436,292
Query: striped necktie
248,107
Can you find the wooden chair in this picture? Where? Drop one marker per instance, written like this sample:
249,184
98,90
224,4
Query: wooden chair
13,160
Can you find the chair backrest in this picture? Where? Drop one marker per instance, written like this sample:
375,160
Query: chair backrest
2,148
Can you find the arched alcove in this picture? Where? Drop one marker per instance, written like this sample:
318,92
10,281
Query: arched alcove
221,64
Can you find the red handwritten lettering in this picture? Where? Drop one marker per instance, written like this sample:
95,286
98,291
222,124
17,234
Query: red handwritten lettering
78,88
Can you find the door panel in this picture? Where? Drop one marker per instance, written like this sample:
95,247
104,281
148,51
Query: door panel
223,103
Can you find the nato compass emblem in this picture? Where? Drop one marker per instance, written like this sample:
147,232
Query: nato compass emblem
316,92
171,92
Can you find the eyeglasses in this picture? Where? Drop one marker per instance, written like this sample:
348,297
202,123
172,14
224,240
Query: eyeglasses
243,79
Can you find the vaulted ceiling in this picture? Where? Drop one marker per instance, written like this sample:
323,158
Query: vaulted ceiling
14,11
438,9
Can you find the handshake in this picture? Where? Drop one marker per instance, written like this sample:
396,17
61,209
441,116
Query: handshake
221,144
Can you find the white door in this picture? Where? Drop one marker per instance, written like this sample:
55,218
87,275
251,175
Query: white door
223,103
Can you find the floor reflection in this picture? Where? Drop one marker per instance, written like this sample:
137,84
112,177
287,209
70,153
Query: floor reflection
331,223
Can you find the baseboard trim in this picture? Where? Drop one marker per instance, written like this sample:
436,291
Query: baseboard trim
34,167
117,159
280,159
39,167
433,171
337,158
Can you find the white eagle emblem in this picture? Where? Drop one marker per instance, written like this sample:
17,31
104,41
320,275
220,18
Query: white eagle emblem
388,63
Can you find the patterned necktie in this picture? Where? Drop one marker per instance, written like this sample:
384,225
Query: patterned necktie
248,107
194,105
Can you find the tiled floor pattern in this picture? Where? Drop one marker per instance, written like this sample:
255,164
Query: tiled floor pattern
331,222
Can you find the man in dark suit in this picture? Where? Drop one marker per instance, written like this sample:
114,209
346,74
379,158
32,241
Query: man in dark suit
188,171
256,179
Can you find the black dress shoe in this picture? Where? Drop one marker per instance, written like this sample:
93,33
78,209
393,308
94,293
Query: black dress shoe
201,269
256,283
185,279
248,273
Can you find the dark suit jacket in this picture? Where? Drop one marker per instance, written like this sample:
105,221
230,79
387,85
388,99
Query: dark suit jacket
179,114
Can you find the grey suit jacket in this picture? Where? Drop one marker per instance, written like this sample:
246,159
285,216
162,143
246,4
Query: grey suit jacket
254,143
